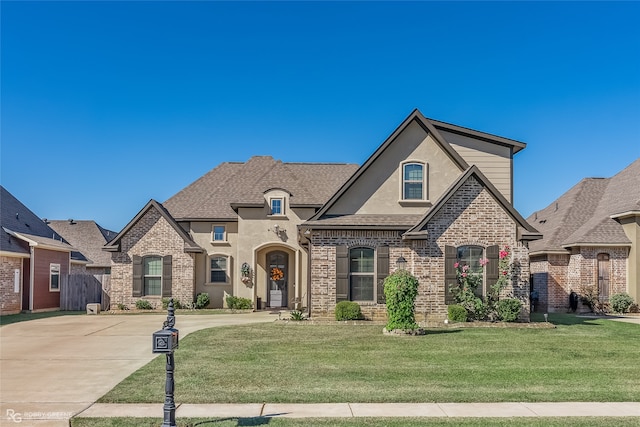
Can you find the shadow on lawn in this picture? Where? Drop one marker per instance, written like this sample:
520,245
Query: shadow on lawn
566,319
254,421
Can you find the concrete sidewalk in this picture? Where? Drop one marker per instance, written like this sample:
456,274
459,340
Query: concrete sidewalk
350,410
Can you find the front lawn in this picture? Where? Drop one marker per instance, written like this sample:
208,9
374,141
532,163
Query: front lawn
580,360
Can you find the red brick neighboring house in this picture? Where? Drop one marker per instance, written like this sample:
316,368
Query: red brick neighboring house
591,239
33,259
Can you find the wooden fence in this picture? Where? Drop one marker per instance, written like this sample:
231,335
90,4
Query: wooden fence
78,290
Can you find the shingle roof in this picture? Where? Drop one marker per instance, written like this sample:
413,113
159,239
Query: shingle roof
211,196
582,215
398,221
88,237
17,219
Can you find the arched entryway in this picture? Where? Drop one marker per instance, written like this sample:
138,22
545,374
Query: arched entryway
277,279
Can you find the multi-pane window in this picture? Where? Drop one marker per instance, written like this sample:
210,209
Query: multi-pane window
413,181
218,233
54,277
361,274
472,256
152,275
219,269
277,207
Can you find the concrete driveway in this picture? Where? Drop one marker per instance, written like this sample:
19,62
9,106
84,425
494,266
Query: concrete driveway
54,368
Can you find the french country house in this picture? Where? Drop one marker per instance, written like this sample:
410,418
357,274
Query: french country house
34,259
234,232
309,235
591,239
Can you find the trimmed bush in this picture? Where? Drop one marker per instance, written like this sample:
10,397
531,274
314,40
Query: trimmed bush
143,304
400,291
508,309
348,310
620,303
238,303
202,300
456,313
176,303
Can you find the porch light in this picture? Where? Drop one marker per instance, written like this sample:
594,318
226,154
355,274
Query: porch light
401,263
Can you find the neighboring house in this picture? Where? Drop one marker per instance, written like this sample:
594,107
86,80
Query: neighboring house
89,238
314,234
431,195
591,239
33,259
237,214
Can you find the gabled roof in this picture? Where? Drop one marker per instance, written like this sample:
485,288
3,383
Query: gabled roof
432,127
585,215
21,228
525,230
86,236
189,244
230,185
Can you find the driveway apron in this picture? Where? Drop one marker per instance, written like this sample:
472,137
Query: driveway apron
51,369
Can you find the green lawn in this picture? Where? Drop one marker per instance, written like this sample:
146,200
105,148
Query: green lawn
580,360
23,317
359,422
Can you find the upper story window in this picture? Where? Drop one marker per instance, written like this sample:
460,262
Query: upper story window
152,275
54,277
277,206
218,234
413,181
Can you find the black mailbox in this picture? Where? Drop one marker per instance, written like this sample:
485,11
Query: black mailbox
165,341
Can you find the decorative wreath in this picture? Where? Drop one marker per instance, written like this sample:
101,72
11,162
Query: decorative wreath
276,274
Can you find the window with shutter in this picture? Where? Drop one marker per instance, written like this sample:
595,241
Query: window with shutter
137,276
342,273
382,270
450,258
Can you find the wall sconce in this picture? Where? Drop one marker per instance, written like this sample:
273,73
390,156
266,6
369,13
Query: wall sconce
401,263
278,230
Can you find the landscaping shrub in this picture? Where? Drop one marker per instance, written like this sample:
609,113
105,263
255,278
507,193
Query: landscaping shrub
634,308
456,313
238,303
348,310
122,306
508,309
400,291
143,304
620,303
297,315
202,300
176,303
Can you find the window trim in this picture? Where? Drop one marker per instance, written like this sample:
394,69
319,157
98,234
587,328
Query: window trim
52,273
227,275
145,276
373,274
213,234
483,255
425,188
282,206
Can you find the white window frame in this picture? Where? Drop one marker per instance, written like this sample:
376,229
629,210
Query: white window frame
273,199
54,270
213,234
226,268
151,276
403,181
371,274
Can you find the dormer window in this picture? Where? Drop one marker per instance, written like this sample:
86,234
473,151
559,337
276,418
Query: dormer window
277,206
413,181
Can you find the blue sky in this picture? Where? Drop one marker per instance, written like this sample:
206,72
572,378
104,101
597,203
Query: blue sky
105,105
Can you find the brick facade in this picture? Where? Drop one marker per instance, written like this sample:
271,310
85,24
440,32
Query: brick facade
10,303
556,275
151,235
470,217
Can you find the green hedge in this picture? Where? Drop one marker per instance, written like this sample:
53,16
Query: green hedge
456,313
508,309
400,292
348,310
238,303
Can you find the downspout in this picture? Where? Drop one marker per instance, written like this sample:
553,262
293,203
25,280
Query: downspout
31,276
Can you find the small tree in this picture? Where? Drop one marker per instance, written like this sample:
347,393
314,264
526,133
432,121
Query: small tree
400,291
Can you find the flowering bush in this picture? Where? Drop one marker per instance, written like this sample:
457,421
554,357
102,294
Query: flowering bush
469,279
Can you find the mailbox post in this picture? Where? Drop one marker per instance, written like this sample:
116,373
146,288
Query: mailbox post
165,341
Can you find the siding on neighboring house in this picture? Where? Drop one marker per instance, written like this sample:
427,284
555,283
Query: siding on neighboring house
10,303
43,298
